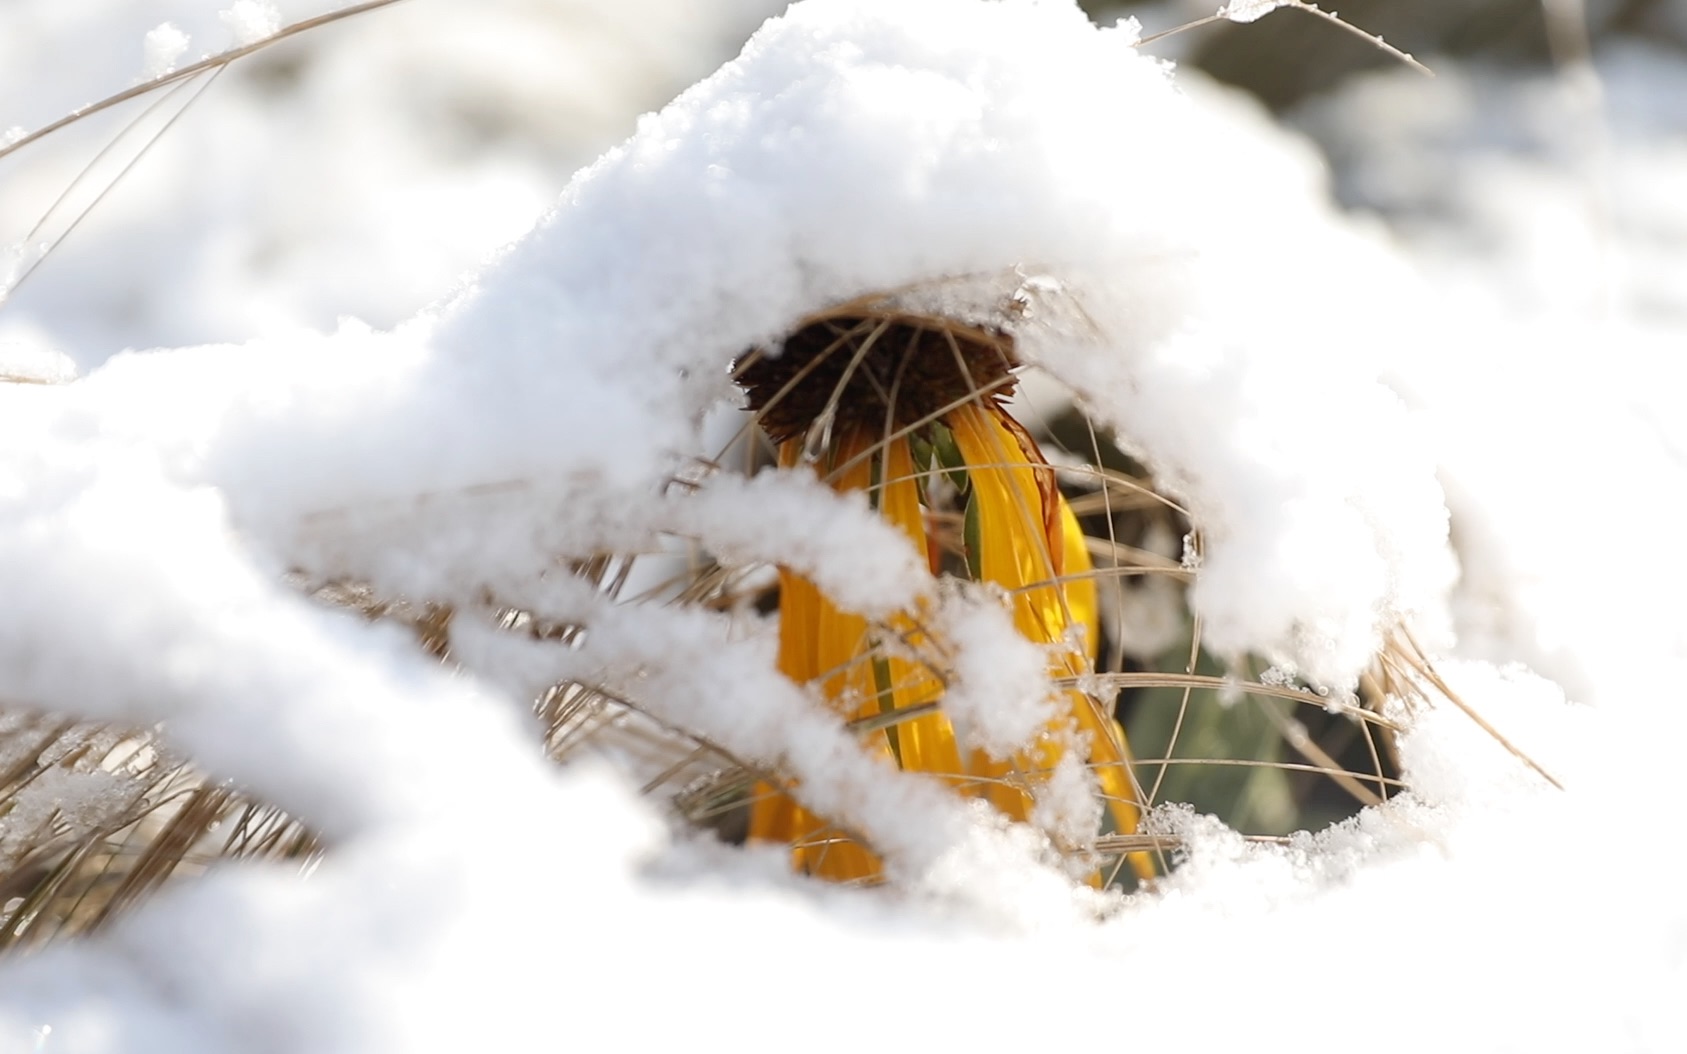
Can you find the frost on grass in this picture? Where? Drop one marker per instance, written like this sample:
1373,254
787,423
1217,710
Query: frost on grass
1250,10
163,48
250,21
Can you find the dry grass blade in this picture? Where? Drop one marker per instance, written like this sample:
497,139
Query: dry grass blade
93,819
1230,685
1372,38
185,85
192,70
1294,734
167,850
39,247
1163,843
1346,777
1417,662
1224,15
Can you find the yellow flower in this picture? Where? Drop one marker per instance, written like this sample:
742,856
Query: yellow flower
909,410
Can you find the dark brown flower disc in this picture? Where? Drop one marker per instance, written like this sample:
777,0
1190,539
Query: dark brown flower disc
903,368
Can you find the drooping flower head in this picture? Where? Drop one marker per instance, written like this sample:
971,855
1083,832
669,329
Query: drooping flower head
909,409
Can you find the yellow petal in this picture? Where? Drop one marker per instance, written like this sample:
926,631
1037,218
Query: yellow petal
1019,555
1030,545
927,743
818,641
1012,528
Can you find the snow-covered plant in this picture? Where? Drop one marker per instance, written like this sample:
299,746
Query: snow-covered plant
878,237
909,409
845,462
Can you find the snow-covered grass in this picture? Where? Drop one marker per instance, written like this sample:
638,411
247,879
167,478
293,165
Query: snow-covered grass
1377,425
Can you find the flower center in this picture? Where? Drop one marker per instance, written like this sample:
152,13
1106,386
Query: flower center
863,370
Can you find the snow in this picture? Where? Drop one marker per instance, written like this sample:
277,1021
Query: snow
1369,425
250,21
1564,268
30,361
816,527
1250,10
164,46
999,696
